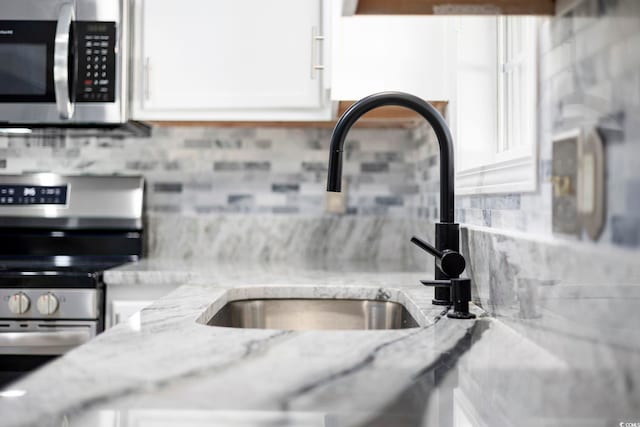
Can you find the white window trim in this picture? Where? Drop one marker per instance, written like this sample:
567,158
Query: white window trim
515,170
509,176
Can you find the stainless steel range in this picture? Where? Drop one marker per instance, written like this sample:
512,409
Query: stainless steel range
58,234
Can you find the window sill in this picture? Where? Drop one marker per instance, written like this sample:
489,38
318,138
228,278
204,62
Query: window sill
511,176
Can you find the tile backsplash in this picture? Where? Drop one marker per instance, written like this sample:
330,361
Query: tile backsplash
205,171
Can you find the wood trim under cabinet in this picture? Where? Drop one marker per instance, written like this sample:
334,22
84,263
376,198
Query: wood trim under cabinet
456,7
383,117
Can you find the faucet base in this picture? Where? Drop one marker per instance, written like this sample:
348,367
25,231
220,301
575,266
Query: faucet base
460,315
436,301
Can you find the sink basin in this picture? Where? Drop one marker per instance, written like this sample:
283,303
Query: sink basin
313,314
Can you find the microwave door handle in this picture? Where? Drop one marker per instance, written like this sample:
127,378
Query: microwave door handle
61,61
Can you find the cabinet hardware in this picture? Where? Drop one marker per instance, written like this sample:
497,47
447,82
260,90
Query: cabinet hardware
147,74
316,52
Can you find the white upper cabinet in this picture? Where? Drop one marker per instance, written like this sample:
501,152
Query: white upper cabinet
231,60
379,53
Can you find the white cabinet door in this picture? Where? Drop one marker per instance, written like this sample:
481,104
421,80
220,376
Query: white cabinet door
380,53
229,60
123,310
124,301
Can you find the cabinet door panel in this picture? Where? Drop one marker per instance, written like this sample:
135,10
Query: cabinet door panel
123,310
230,54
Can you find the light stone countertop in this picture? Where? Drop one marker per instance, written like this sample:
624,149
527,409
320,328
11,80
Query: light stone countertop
171,272
166,367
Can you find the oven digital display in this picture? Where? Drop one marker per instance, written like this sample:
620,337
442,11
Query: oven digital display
33,195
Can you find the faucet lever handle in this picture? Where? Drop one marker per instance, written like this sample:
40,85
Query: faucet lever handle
436,282
426,246
451,263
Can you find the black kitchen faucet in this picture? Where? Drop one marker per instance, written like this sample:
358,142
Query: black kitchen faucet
449,263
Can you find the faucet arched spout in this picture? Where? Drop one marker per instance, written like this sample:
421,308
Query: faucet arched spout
435,119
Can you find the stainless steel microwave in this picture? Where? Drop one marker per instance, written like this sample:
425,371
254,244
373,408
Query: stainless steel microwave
63,62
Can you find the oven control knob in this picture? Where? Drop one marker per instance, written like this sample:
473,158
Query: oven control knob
19,303
47,304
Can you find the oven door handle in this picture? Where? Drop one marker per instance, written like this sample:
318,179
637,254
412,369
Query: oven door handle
61,64
54,342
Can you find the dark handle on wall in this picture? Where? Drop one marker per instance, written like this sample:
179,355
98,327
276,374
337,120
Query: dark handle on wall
450,262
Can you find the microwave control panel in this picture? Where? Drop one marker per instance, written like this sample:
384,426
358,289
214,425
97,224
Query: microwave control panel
96,47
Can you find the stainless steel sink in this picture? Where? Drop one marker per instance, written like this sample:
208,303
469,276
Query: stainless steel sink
313,314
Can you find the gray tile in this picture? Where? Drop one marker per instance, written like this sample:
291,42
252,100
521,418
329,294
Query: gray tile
110,143
373,210
257,166
545,170
167,187
285,209
141,165
263,144
612,127
374,167
632,192
389,156
363,179
227,144
606,7
507,201
586,72
206,210
285,188
236,209
632,125
166,209
314,166
198,143
352,146
173,165
404,189
625,231
486,216
227,166
389,201
316,145
476,202
240,199
198,186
